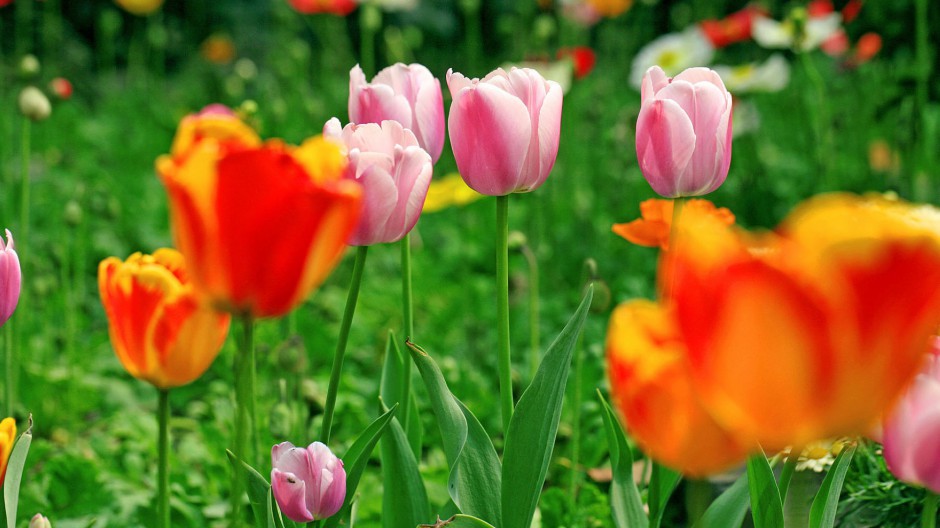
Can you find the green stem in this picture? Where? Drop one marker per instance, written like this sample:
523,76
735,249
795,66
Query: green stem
929,517
23,235
351,298
163,469
244,411
409,316
534,345
819,116
502,308
10,393
923,71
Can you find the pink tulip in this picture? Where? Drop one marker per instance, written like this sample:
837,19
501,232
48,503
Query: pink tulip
911,431
10,279
309,484
395,173
407,94
504,129
683,132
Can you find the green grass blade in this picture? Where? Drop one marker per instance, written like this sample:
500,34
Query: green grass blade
404,501
730,508
823,512
474,483
663,482
766,506
626,506
531,435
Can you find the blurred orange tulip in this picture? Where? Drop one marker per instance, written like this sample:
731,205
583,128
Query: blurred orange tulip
812,332
7,438
653,228
651,385
162,332
261,224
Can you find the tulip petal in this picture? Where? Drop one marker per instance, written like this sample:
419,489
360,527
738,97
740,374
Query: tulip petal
549,133
654,81
924,450
490,131
665,142
379,198
290,494
428,124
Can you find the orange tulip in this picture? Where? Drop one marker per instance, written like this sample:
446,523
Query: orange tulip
261,224
161,330
653,228
7,438
812,332
650,383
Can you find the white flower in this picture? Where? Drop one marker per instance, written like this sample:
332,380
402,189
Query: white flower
770,76
673,52
770,33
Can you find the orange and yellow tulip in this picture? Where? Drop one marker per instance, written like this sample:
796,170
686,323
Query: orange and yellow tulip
7,438
812,332
651,386
261,224
161,329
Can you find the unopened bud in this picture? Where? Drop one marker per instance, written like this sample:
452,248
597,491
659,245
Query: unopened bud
73,213
516,240
34,104
39,521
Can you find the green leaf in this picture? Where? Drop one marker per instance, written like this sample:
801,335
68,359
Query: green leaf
462,521
531,434
729,509
474,482
626,506
404,501
663,482
391,388
823,512
15,465
766,506
356,459
259,492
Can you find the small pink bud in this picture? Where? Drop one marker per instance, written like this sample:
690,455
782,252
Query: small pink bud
683,132
10,279
39,521
308,484
504,129
911,431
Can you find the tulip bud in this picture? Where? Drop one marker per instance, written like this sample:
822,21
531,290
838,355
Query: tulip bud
504,129
34,104
39,521
10,279
308,484
408,94
683,132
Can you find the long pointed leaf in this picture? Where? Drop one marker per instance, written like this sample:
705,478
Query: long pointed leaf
532,430
823,512
474,482
766,506
391,389
404,501
356,459
730,508
259,492
663,482
15,465
626,506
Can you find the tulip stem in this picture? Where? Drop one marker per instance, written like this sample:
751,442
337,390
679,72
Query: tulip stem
163,468
244,411
929,517
502,308
352,298
408,313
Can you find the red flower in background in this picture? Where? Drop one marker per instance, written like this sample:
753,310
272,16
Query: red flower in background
583,58
333,7
61,87
735,27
